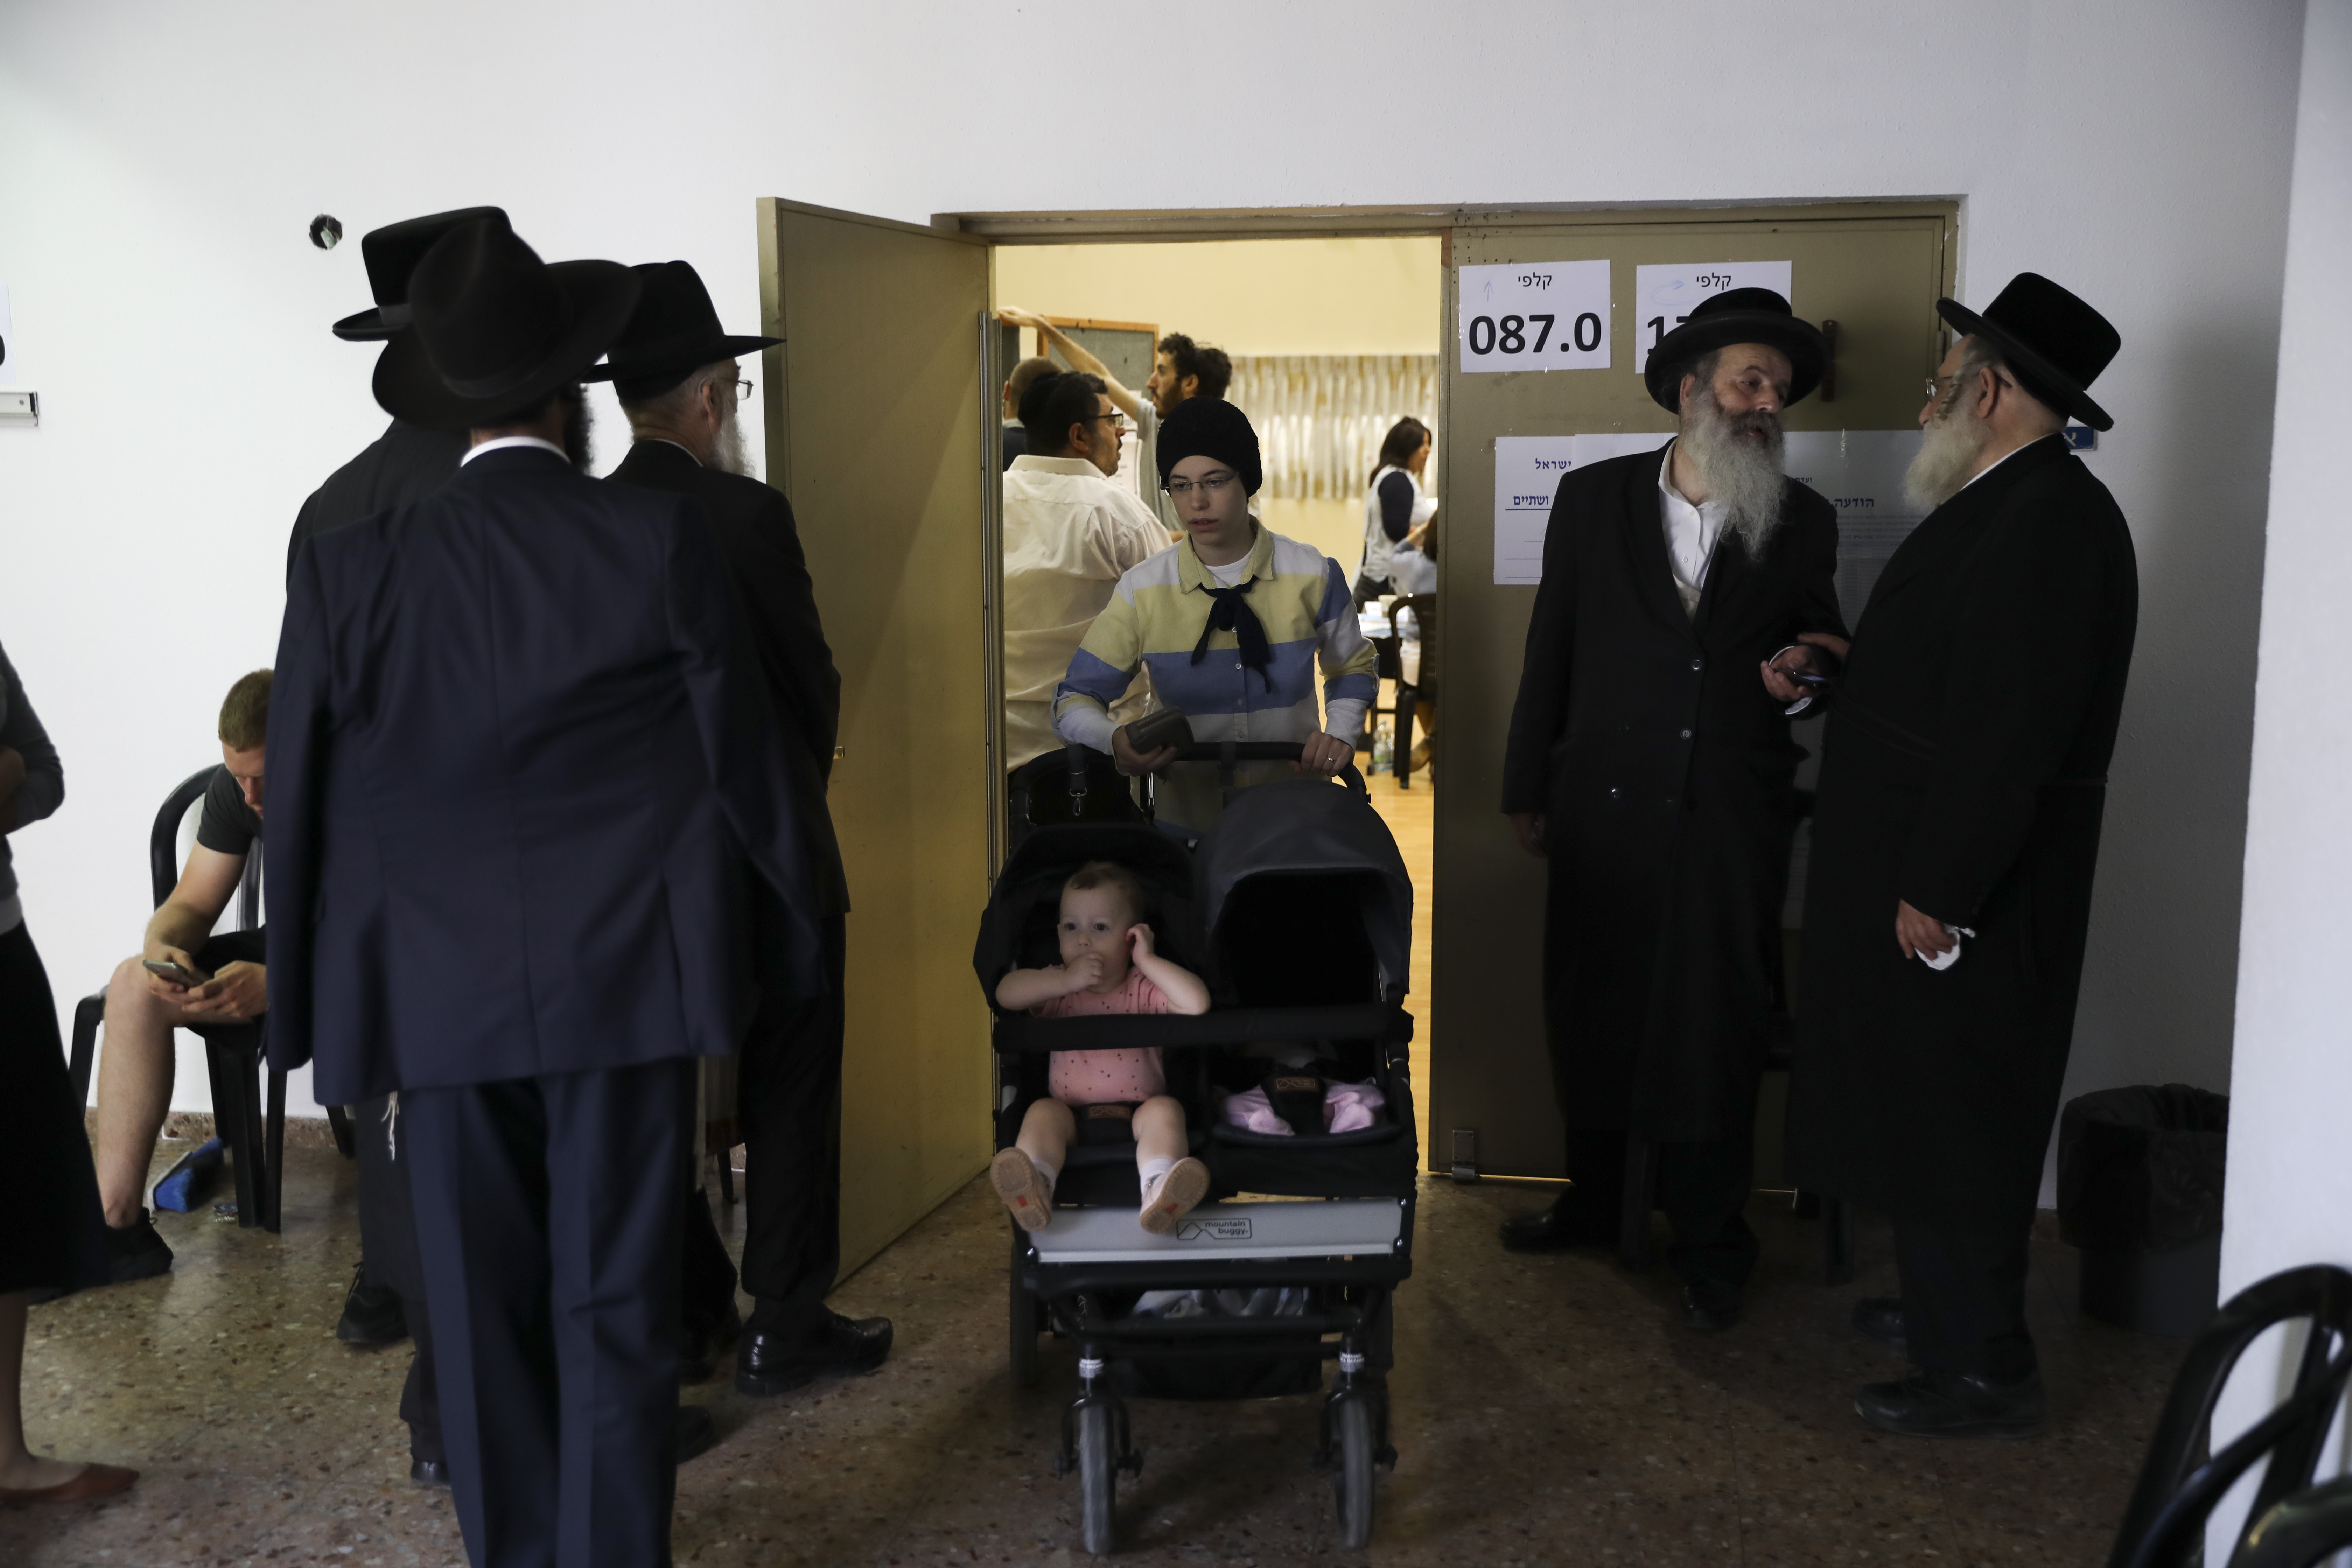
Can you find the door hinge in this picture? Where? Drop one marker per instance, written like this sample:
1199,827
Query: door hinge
1465,1153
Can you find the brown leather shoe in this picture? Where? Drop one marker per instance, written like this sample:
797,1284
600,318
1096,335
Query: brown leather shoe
95,1481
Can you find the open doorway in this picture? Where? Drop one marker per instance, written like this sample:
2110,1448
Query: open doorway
1331,342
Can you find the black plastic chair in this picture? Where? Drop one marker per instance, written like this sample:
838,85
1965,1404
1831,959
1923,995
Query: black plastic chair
2164,1527
233,1052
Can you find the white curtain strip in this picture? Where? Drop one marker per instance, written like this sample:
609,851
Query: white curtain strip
1320,418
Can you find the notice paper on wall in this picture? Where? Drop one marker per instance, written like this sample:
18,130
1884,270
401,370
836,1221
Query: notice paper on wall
1537,315
7,342
1663,296
1859,472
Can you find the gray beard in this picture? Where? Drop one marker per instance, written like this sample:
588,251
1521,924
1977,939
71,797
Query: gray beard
727,451
1744,475
1947,453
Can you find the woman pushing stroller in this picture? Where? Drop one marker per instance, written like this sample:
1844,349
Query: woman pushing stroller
1232,622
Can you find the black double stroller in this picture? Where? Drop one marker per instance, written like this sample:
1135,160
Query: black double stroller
1298,911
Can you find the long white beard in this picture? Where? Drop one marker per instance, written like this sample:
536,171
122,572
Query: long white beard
1742,458
726,453
1949,452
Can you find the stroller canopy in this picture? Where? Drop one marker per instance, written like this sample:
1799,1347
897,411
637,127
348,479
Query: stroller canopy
1305,827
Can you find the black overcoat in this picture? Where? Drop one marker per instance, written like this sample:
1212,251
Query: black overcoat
1964,771
1666,774
406,463
752,525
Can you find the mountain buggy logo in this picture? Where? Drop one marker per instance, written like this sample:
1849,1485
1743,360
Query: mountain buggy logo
1236,1228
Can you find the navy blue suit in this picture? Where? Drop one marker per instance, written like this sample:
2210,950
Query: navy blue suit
521,771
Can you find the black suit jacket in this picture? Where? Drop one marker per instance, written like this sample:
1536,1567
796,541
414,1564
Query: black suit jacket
1964,773
752,525
1666,772
406,463
518,750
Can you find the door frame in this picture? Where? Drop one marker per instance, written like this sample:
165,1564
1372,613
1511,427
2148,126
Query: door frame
1165,226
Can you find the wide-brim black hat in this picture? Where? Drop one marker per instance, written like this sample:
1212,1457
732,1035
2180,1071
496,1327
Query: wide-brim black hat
391,253
2054,344
494,329
1735,316
674,333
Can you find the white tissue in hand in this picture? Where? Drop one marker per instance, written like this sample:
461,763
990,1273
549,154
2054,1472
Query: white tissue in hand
1950,956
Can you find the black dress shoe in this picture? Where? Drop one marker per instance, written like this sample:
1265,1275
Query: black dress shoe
1710,1314
1881,1318
693,1432
428,1472
699,1349
769,1362
134,1251
1572,1221
1954,1405
373,1314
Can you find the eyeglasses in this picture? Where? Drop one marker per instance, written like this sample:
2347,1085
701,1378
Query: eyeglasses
742,390
1118,422
1935,385
1207,484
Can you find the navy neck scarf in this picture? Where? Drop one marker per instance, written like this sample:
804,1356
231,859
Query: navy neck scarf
1231,613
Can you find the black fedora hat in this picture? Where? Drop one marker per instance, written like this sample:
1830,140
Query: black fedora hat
1735,316
2056,344
391,253
495,329
674,333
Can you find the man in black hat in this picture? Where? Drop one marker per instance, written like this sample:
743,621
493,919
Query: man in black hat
679,380
386,1299
1949,890
520,756
1657,781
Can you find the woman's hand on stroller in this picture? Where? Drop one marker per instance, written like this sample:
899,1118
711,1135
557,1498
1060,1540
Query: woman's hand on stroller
1135,763
1326,754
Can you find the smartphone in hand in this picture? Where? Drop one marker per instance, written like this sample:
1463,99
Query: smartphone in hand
173,971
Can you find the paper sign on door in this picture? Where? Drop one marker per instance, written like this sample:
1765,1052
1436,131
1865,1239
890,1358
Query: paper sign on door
1663,296
1535,315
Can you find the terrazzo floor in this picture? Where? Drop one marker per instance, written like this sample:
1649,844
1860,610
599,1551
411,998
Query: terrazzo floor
1546,1410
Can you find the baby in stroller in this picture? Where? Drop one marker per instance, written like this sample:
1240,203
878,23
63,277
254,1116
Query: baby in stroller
1108,966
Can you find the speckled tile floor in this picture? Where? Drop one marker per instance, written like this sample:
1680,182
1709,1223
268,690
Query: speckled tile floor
1547,1411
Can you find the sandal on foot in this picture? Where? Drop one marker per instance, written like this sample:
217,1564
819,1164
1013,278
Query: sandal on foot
1184,1186
1022,1185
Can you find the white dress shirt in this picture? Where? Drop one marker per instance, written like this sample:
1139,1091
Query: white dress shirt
1691,533
1069,535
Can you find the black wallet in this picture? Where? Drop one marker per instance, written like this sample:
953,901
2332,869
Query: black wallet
1167,727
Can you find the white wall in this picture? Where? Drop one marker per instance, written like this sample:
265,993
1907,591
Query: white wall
159,162
2289,1201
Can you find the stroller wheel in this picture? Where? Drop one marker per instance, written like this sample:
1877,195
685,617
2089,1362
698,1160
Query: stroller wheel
1098,1474
1352,1482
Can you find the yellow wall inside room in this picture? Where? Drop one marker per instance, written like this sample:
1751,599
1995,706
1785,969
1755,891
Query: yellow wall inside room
1248,295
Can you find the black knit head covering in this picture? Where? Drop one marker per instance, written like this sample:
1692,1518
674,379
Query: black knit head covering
1211,427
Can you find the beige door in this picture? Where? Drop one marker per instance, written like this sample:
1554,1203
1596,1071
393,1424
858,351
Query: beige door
880,431
1876,271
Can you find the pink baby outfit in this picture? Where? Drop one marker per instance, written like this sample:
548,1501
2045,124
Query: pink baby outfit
1106,1078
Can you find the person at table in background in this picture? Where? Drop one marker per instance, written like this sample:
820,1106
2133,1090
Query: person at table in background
1231,623
522,749
1394,505
385,1302
1016,435
231,983
53,1239
1070,535
1657,782
679,378
1181,370
1948,895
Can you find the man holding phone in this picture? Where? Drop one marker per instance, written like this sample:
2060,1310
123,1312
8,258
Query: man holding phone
185,974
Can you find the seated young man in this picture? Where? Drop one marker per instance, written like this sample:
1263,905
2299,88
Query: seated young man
142,1008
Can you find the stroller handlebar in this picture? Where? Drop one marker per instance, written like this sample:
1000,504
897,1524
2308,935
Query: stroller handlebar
1269,752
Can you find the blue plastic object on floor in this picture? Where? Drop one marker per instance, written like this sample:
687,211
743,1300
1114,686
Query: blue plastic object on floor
185,1184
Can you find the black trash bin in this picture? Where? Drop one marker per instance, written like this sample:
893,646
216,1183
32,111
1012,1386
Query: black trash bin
2139,1192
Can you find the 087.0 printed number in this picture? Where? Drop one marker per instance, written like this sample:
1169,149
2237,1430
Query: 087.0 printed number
1510,335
